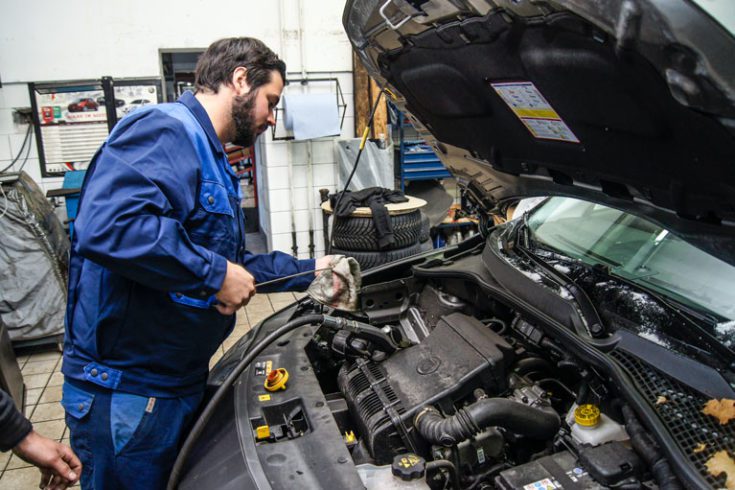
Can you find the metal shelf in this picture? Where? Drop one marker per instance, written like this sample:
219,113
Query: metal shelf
417,159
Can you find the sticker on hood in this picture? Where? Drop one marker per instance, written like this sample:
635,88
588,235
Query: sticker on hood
534,111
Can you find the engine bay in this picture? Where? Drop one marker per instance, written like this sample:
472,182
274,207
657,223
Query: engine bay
481,391
446,378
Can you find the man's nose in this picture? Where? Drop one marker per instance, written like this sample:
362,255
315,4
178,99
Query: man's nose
271,118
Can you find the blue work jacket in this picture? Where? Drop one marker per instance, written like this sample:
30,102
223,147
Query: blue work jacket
159,216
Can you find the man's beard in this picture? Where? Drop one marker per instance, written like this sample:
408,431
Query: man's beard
242,116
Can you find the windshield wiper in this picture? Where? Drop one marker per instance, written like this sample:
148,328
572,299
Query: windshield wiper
589,313
696,319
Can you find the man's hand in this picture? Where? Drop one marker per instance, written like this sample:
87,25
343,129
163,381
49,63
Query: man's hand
238,288
60,467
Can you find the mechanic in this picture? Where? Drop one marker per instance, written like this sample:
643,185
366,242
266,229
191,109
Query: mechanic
60,467
159,266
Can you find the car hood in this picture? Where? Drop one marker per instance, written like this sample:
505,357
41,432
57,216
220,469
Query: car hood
630,103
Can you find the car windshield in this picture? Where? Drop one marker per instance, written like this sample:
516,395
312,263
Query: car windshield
639,251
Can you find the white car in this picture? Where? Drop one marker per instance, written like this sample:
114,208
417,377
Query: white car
135,104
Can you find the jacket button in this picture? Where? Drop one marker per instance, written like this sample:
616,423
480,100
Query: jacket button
210,199
93,372
104,376
81,406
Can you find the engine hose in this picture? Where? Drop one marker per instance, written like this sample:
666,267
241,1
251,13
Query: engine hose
219,395
447,465
649,452
533,422
528,364
363,330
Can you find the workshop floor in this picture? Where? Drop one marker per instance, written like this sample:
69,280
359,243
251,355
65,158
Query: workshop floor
43,380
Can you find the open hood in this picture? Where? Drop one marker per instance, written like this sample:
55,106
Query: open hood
630,103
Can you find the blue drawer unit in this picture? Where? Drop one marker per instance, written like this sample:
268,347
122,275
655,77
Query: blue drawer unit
417,159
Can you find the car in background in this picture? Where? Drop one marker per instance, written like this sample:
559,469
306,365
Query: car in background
118,102
135,104
588,343
83,104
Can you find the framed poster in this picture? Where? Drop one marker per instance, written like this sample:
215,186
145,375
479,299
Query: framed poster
133,93
72,119
71,122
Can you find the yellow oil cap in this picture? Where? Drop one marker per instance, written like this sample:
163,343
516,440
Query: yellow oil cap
587,415
276,380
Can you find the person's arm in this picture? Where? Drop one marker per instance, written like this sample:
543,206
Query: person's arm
59,466
140,191
266,267
13,425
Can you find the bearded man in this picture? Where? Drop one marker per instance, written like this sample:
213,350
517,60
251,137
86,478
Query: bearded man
159,267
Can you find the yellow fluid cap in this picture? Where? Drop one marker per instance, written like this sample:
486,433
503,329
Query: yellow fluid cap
350,437
587,415
263,432
276,380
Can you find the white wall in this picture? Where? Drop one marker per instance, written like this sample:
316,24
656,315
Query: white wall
45,40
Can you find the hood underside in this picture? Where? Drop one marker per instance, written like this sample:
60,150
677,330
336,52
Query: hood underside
626,103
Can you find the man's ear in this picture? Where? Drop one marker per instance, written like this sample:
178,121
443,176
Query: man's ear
240,80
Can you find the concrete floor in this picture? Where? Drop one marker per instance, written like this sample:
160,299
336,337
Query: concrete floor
43,380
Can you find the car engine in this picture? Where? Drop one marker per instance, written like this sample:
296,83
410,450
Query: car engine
470,395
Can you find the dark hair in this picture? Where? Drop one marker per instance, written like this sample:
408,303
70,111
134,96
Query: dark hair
216,64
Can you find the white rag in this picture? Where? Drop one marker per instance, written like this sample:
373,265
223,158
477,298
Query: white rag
338,286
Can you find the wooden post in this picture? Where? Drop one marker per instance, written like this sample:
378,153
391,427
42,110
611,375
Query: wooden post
366,91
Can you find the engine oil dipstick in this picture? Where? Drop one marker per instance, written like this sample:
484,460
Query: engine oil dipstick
276,380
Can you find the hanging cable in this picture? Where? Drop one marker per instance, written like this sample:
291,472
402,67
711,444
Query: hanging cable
28,153
354,168
20,152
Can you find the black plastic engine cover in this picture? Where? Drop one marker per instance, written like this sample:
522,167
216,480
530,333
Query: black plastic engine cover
459,355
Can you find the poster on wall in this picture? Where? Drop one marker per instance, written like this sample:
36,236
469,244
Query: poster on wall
132,94
71,122
72,119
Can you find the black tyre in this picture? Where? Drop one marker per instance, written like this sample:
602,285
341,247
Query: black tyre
424,231
368,260
359,233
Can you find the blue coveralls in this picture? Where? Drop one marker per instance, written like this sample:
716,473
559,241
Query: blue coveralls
158,219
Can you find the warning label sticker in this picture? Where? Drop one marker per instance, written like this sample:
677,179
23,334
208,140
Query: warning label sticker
534,111
545,484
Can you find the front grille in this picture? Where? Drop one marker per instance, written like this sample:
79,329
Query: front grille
682,415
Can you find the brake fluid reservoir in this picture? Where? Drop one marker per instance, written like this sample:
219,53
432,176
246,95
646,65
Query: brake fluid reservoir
382,478
590,426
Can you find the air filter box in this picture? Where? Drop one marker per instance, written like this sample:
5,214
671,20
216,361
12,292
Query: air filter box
459,355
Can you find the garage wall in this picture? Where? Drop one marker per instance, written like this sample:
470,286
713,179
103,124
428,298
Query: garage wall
45,40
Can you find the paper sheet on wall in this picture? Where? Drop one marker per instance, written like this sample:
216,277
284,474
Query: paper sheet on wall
311,116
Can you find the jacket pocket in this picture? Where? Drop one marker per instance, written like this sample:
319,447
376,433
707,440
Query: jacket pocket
200,303
75,401
214,199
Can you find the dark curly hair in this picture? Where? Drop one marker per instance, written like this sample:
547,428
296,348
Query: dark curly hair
216,64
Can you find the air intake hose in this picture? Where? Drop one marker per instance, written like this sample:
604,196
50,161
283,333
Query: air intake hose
533,422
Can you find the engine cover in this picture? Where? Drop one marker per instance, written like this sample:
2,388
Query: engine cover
459,355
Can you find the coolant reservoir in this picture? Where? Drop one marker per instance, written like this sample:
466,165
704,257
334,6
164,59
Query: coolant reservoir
590,426
382,478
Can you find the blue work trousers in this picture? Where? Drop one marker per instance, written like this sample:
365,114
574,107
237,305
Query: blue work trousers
125,441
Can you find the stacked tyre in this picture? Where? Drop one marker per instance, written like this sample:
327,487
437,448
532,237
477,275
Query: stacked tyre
356,237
